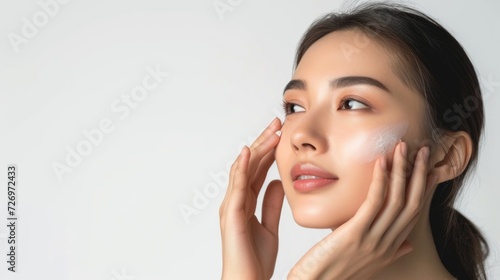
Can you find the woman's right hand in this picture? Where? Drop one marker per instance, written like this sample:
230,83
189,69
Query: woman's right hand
250,246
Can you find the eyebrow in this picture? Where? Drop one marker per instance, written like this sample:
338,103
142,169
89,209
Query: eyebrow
340,82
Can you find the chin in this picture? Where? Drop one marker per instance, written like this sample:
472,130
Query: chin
311,218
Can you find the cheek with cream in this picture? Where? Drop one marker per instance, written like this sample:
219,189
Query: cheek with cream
335,203
369,145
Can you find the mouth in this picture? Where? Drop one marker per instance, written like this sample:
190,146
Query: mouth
308,177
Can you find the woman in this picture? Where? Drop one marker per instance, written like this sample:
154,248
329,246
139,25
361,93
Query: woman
383,121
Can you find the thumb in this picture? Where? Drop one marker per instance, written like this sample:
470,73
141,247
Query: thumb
271,207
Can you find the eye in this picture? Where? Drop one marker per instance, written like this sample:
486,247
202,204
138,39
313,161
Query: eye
350,103
291,108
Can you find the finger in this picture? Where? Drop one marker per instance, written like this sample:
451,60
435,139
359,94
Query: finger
257,159
271,129
419,180
259,152
406,231
232,171
395,200
262,170
272,205
415,197
230,183
375,198
262,137
236,199
223,204
249,161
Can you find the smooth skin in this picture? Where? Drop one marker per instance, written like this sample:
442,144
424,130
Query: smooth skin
378,212
372,239
250,247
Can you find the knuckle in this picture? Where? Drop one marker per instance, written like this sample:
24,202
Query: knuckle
401,173
370,248
240,168
255,144
397,204
379,254
384,251
237,168
414,209
262,138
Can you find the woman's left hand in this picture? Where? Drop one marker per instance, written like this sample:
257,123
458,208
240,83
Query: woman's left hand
376,235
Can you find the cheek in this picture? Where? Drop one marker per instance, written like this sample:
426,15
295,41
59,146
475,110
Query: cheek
367,146
353,159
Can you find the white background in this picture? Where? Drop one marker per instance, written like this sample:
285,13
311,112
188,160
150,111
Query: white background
116,214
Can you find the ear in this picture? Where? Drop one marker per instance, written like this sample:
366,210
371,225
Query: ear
451,155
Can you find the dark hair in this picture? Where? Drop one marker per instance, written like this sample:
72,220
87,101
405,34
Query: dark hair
433,63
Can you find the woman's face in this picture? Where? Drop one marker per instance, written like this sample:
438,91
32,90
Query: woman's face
347,107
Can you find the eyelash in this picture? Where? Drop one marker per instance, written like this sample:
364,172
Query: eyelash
287,106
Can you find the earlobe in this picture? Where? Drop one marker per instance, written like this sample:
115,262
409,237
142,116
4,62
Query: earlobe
451,156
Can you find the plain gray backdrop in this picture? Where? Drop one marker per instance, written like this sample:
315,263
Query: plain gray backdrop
124,116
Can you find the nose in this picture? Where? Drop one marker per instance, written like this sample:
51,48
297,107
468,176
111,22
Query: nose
308,135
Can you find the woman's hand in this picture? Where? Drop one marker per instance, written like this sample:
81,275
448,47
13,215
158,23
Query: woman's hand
376,235
250,247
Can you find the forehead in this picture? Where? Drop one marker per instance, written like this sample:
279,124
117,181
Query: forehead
347,53
352,53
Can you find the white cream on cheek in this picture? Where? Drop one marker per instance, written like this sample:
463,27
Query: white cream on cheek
368,146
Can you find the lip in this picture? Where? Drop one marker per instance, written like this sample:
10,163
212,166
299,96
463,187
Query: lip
323,179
